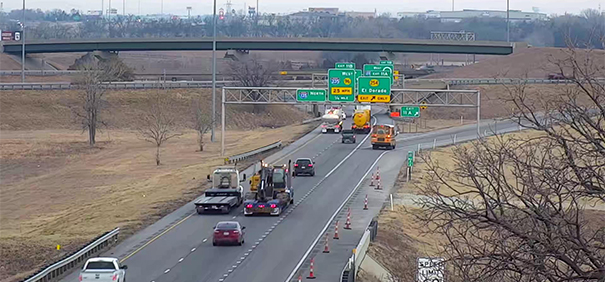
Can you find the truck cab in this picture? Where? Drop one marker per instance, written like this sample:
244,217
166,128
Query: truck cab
383,135
103,269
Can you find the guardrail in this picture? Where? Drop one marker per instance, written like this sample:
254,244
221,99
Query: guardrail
127,85
311,120
246,155
208,84
54,271
349,272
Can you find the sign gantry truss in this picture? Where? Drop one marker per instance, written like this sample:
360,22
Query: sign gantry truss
399,97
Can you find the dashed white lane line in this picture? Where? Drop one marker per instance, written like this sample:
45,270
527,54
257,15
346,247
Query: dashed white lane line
204,241
167,270
181,259
193,250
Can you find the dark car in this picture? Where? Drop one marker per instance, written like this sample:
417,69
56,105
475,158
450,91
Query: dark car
348,136
304,166
228,232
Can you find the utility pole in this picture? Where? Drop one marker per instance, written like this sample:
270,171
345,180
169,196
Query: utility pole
23,45
188,12
213,73
507,20
124,7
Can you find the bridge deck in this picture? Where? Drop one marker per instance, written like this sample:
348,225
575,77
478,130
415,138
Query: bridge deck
283,44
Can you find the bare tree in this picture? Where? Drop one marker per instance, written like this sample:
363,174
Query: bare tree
202,122
158,122
251,72
94,72
529,208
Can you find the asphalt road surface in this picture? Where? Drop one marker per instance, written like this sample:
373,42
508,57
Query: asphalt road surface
179,247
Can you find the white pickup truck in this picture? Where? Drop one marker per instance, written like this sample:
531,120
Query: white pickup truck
103,269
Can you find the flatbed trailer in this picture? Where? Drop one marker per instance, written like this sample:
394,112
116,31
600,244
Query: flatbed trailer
219,200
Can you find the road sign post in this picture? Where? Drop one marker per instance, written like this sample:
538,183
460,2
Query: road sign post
374,89
410,158
410,111
358,74
341,85
311,95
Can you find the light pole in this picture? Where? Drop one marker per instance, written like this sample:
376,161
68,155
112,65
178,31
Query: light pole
23,45
213,73
507,20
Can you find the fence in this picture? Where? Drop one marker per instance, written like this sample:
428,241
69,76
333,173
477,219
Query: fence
246,155
56,270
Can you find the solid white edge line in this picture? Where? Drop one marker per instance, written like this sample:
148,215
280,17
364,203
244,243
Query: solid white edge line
321,233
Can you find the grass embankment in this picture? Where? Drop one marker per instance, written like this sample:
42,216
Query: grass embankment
56,190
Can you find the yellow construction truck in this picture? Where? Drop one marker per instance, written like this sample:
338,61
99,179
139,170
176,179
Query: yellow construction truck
362,118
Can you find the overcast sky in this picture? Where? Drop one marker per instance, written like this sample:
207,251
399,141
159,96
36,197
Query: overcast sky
178,7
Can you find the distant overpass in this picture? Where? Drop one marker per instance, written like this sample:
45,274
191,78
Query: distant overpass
270,44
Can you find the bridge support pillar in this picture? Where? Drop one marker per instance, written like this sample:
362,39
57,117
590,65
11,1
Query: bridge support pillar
387,56
237,55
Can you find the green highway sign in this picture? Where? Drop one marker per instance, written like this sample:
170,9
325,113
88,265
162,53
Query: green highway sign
374,89
386,62
311,95
341,85
410,158
345,65
410,111
378,70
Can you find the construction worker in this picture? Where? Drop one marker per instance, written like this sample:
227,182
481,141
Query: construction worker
255,181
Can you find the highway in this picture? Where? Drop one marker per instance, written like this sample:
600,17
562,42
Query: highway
178,247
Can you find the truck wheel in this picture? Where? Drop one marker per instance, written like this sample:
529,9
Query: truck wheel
291,201
213,243
374,147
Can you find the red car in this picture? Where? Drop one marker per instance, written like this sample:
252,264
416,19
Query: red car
228,232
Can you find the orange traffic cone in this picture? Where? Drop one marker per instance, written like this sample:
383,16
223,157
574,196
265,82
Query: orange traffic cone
300,278
377,173
327,247
336,231
348,222
372,180
365,203
378,185
312,270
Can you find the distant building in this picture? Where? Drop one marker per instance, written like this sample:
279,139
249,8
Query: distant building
366,15
332,11
329,13
457,16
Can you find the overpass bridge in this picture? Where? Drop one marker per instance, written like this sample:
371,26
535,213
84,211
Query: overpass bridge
269,44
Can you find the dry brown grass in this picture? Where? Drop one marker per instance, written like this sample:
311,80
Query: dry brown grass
59,191
30,110
400,238
528,62
426,125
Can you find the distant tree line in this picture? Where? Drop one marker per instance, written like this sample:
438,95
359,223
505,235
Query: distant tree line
589,27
